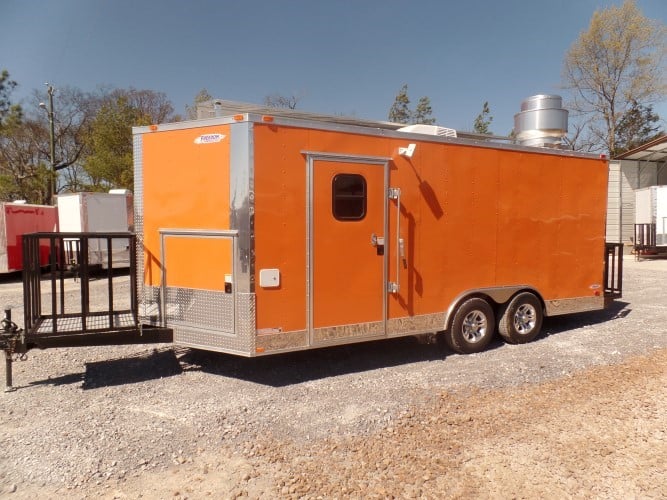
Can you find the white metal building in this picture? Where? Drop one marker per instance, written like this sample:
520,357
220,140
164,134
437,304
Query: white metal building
636,169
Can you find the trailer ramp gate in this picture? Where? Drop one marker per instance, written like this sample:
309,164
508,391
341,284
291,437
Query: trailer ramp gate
613,270
58,310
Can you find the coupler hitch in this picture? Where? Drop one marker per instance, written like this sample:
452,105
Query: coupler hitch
12,342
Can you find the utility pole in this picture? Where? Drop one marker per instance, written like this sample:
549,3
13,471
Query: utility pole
51,183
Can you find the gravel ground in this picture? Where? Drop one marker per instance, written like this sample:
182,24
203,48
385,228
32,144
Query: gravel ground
580,412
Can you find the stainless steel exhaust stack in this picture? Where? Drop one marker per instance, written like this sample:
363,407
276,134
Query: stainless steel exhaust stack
542,121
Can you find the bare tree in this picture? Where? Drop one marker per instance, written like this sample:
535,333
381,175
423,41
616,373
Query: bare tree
74,112
283,101
150,103
614,63
578,139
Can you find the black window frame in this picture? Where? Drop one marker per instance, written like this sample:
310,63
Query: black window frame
340,200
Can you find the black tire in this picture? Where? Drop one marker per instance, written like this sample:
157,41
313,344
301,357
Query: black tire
472,327
521,319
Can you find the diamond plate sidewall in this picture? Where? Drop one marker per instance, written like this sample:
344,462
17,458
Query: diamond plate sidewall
204,334
205,309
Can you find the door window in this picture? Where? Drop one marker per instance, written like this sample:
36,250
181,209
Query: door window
349,197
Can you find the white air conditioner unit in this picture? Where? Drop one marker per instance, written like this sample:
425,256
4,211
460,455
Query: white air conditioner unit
429,130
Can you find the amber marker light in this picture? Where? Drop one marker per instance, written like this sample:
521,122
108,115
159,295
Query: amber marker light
238,118
153,128
259,349
267,119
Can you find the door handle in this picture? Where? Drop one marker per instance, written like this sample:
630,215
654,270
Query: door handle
378,243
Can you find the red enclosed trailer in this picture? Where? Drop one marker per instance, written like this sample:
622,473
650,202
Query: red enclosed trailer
17,219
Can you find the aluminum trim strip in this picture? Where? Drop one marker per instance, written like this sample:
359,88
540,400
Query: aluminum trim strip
176,324
242,202
137,155
281,342
351,340
201,233
571,305
411,325
342,332
202,122
309,248
214,348
342,157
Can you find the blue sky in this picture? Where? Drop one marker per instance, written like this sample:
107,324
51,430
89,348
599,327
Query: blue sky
343,57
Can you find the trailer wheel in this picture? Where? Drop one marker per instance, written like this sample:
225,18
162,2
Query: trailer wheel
472,327
521,319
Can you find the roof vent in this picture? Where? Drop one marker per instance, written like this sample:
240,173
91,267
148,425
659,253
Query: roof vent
420,128
542,121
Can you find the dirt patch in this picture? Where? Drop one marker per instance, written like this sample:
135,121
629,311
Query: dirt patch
601,433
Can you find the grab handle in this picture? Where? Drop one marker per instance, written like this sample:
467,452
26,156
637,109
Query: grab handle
395,286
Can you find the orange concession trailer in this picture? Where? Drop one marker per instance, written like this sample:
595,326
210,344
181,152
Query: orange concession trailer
263,234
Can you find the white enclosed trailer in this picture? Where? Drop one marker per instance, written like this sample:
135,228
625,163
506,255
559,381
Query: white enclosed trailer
651,221
98,212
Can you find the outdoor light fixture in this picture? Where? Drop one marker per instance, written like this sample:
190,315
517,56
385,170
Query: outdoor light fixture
407,152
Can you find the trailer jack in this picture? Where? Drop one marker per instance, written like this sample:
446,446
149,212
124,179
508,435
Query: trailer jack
12,343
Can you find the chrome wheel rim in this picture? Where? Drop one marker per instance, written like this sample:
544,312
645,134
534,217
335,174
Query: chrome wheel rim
525,319
475,326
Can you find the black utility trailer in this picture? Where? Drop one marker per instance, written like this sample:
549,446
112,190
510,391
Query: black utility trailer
67,319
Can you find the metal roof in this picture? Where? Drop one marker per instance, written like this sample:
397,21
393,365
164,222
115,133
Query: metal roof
655,150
